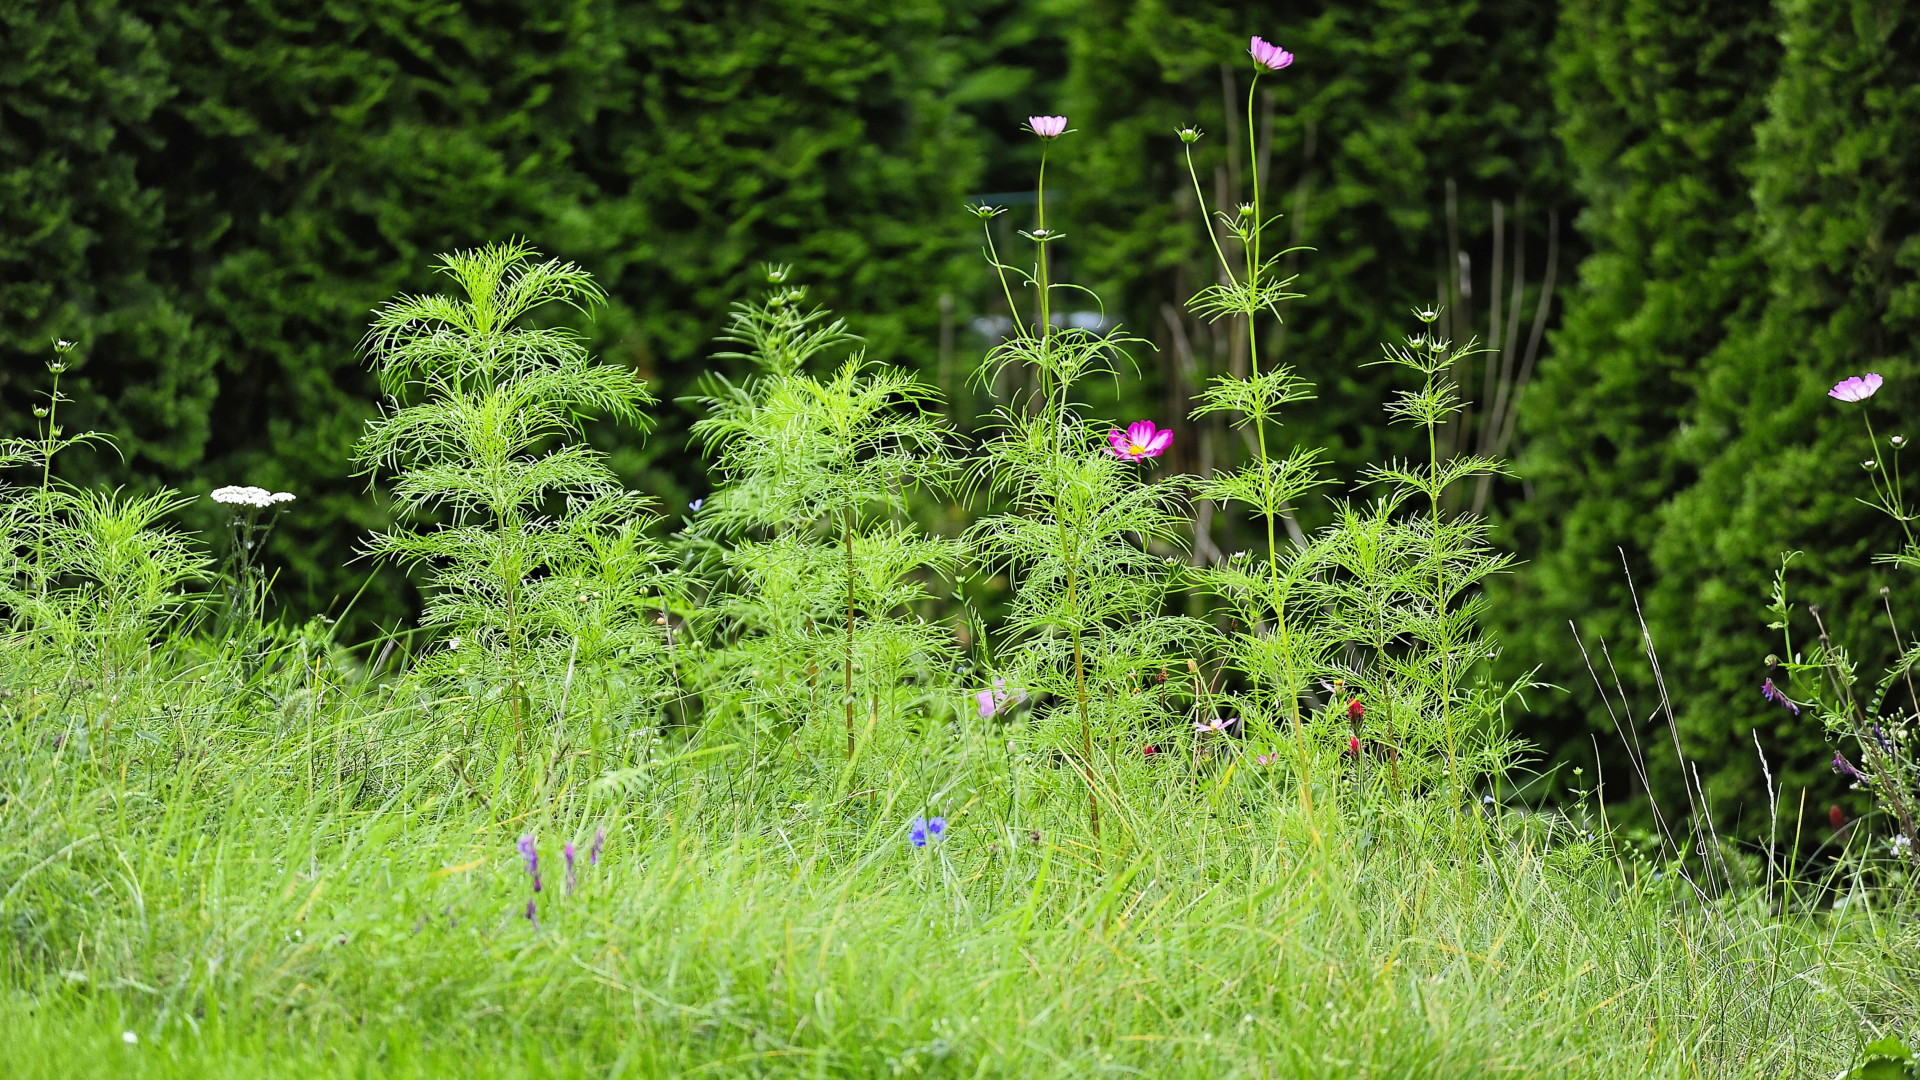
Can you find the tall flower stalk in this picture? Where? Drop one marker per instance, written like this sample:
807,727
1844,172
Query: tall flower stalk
1080,519
1252,288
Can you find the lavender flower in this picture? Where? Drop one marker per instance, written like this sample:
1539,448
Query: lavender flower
1201,727
1047,127
532,856
1140,440
1268,55
1856,388
572,880
533,913
1772,693
992,701
599,842
1844,767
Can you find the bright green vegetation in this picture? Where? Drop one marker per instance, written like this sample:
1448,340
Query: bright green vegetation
956,730
256,886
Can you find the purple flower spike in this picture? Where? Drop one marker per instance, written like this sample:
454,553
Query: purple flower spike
1140,440
1047,127
1268,55
571,879
532,855
533,913
1772,693
599,841
1844,767
1857,388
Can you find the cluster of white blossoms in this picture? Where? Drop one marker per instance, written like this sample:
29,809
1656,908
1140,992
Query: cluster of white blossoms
258,498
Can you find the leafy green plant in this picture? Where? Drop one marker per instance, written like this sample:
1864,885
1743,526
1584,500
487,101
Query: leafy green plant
535,557
829,569
1871,716
1088,628
91,574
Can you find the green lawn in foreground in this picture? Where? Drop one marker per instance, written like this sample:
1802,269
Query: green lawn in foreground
324,897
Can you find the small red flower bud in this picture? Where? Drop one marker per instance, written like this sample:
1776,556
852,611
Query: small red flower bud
1837,816
1353,746
1150,750
1355,710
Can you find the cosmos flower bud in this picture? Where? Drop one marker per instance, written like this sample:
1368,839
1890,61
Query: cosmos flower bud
1190,135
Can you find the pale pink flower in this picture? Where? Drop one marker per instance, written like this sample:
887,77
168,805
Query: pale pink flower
1140,440
1218,723
992,701
1047,127
1857,388
1269,56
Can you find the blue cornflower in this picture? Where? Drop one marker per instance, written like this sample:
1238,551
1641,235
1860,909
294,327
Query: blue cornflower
926,830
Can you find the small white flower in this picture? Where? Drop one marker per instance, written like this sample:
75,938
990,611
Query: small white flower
256,497
129,1038
1899,845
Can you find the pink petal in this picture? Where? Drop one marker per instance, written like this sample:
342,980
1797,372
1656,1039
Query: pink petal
1139,432
1159,443
1117,443
985,698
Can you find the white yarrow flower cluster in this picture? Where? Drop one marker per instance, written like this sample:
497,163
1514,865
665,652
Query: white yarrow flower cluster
258,498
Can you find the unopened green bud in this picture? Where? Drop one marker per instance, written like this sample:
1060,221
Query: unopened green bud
1190,134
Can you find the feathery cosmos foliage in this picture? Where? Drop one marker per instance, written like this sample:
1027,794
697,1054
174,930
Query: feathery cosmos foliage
536,557
829,570
1088,624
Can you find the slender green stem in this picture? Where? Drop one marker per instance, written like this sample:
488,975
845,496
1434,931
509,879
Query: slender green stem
847,530
1250,243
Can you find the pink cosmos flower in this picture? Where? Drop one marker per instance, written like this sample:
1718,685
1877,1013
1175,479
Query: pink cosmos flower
1269,56
1265,759
1857,388
1140,440
1218,723
1047,127
992,701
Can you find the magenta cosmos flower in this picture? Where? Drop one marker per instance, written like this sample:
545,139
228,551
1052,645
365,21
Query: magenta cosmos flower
1857,388
1268,55
1047,127
1140,440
